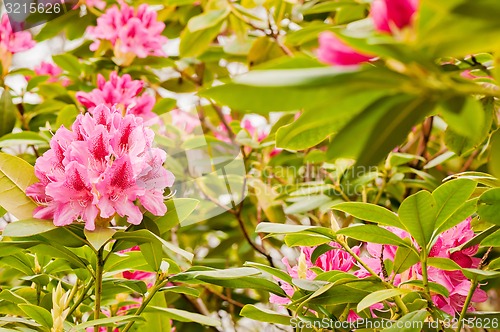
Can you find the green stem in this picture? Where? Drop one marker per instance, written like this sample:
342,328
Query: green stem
468,299
158,284
98,285
80,298
425,277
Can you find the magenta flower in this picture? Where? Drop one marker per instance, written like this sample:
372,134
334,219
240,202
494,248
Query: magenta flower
51,70
104,166
121,92
13,42
455,281
131,32
334,51
333,260
391,15
99,4
138,275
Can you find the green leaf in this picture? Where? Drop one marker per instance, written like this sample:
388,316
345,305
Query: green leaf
462,213
418,214
268,227
373,234
444,264
492,240
100,236
39,314
66,116
464,115
28,227
185,316
309,240
8,113
178,210
362,138
155,320
271,270
480,275
264,315
312,127
104,321
207,20
264,91
433,287
15,176
404,259
68,62
402,326
450,196
194,44
23,138
370,212
164,105
181,290
488,206
494,161
380,296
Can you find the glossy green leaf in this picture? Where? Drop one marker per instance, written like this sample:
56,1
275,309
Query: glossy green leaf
15,176
488,206
379,296
418,214
264,315
207,20
39,314
28,227
100,236
410,322
373,234
370,212
186,316
8,113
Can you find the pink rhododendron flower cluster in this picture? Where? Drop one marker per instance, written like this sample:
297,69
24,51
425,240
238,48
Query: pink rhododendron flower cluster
336,259
99,169
13,42
132,32
120,92
51,70
388,16
455,281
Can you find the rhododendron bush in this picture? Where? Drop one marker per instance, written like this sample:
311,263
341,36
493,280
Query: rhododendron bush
275,165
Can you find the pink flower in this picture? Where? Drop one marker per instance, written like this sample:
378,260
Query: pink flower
51,70
121,92
185,121
99,4
333,260
455,281
131,32
392,15
137,275
254,131
13,42
99,169
334,51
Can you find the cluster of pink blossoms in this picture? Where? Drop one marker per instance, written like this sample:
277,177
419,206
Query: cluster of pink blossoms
455,281
120,92
389,16
12,42
53,71
131,32
99,169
